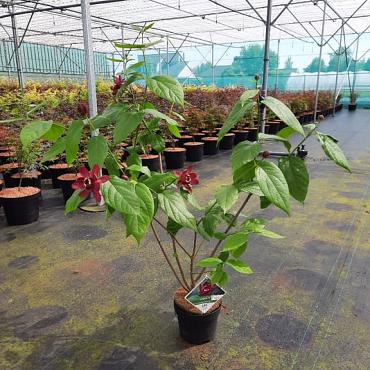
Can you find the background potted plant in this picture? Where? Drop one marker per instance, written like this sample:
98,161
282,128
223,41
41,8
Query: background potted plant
152,200
352,101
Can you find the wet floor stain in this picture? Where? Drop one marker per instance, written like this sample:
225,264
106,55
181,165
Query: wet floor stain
339,207
304,279
35,321
23,262
7,237
320,247
84,232
351,194
283,331
340,226
127,358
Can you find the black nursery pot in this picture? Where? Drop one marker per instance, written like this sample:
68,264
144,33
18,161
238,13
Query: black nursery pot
227,142
21,210
174,157
210,145
33,181
57,170
274,127
151,161
197,328
240,136
352,107
253,133
184,139
194,151
66,182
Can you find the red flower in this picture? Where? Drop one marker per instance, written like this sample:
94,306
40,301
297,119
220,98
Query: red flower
186,178
118,82
205,288
89,182
83,109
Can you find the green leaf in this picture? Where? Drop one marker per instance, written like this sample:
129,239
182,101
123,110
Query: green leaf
333,151
174,130
296,175
116,60
209,262
264,202
58,147
226,196
223,280
136,46
236,115
234,241
73,202
54,133
160,115
273,184
284,113
73,138
250,187
253,225
109,116
216,275
286,132
158,181
247,95
243,153
167,88
212,219
112,166
127,122
192,200
137,224
239,251
266,137
240,266
135,66
121,195
139,169
97,150
175,208
173,227
269,234
34,131
245,173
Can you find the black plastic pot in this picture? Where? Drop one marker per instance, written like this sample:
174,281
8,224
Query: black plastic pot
352,107
174,157
198,136
34,182
194,151
66,182
7,177
184,139
274,127
5,157
227,142
253,133
22,210
210,145
197,328
151,161
240,135
56,172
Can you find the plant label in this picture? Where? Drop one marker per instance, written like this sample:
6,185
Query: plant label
205,295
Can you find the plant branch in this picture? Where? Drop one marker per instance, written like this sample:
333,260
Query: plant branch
226,231
192,259
166,257
179,264
174,238
304,139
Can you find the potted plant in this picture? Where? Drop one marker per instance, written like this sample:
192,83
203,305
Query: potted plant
352,101
20,198
151,200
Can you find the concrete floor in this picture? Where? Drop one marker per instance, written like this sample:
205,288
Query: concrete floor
75,294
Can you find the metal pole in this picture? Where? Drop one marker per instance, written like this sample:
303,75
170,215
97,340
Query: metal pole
320,56
159,62
113,66
89,58
18,57
213,64
266,59
354,67
123,50
277,66
336,76
167,58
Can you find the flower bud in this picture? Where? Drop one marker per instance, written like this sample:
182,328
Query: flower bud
265,154
257,77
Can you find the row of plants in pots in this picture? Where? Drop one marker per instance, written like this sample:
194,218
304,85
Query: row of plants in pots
152,200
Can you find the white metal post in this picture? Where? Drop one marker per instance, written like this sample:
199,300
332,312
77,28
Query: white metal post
277,66
159,62
89,58
17,52
337,72
320,57
167,58
213,64
266,59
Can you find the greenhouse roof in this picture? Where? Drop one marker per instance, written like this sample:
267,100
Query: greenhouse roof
184,22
